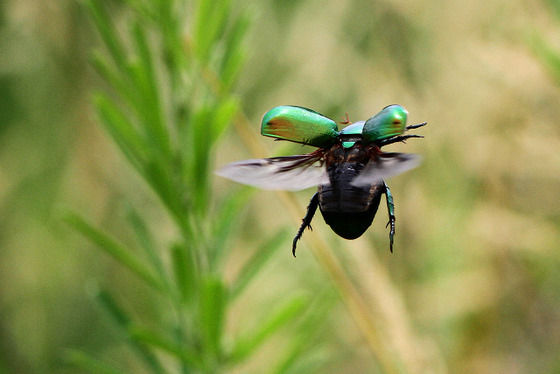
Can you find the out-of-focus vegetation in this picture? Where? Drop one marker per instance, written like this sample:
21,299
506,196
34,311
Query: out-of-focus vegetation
472,286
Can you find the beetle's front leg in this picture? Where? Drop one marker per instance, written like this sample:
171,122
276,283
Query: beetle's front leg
391,211
311,209
396,139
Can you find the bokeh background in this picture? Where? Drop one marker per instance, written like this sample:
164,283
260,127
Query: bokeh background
473,285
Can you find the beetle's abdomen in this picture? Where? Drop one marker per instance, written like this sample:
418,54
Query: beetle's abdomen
348,210
350,225
344,198
340,195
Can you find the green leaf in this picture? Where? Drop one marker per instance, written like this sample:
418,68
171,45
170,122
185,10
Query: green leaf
122,131
147,82
232,69
177,57
144,9
256,263
201,133
288,312
184,270
223,116
108,33
116,250
290,357
211,21
160,180
213,300
166,344
88,363
233,57
146,241
119,82
109,304
225,222
124,322
162,183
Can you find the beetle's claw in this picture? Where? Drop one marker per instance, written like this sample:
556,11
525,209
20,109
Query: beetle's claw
391,233
298,236
294,245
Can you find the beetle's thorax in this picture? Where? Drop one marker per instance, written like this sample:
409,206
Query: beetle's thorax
358,153
343,165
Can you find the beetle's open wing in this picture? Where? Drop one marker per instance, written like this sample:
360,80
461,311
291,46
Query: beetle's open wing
292,173
385,166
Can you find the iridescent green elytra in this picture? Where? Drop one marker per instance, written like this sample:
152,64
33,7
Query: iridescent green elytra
300,125
391,121
348,167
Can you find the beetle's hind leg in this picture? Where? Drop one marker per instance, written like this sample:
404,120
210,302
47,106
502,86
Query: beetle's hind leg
311,209
391,211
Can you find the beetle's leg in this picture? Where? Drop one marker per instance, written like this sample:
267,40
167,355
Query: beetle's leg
397,139
391,211
410,127
311,209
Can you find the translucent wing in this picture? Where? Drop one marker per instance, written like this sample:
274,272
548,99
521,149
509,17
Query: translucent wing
292,173
385,166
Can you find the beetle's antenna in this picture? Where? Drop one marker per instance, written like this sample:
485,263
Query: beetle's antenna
416,126
347,120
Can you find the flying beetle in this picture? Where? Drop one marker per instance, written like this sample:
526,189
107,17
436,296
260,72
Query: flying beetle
348,166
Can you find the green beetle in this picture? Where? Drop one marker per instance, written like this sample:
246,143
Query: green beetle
348,167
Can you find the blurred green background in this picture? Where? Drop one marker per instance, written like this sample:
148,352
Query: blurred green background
473,285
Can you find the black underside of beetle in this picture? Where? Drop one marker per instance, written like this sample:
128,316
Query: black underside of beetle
351,225
347,209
